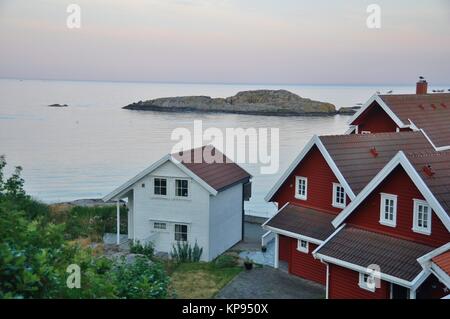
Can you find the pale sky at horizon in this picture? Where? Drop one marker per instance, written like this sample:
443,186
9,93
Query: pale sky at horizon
228,41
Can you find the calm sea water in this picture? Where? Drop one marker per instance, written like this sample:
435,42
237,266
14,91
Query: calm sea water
92,146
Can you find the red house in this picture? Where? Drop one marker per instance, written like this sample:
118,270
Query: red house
407,112
325,177
392,240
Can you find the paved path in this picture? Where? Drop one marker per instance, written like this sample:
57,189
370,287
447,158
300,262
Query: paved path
267,282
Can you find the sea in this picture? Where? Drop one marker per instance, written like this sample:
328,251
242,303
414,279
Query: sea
92,146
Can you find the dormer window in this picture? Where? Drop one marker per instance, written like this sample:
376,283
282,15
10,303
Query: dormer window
422,217
388,210
301,187
339,196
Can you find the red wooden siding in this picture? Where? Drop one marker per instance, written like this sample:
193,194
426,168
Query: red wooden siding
305,266
375,120
284,246
367,215
343,284
320,184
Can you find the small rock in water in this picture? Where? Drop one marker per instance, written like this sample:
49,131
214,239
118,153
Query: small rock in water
58,105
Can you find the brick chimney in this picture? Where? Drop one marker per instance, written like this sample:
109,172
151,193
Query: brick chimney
422,86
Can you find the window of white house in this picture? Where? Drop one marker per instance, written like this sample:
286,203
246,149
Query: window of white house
366,282
388,210
339,196
181,232
301,187
160,186
181,188
159,226
302,245
422,217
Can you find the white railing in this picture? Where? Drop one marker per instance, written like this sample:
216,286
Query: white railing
267,237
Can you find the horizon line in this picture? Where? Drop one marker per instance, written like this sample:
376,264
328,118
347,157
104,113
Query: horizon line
216,83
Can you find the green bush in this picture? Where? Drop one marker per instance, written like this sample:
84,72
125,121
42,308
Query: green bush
184,252
141,280
146,249
225,261
94,222
35,254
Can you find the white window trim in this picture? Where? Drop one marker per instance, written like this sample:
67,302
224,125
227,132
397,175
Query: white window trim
153,186
302,249
416,228
187,232
301,197
160,229
175,188
335,203
363,285
383,221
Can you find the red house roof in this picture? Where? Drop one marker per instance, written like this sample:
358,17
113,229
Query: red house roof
361,248
302,221
429,112
359,157
443,262
219,174
434,169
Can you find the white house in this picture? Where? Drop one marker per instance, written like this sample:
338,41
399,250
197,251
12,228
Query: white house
183,197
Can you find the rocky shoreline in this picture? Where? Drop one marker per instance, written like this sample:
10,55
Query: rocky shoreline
257,102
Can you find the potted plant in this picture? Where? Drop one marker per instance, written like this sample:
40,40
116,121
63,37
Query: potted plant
263,249
248,263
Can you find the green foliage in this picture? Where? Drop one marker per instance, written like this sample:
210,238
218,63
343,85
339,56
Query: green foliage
184,252
141,280
146,249
35,254
93,222
225,261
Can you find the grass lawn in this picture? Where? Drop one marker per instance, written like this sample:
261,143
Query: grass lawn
201,280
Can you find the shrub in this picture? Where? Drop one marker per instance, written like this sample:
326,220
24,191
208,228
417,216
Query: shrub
225,261
142,279
184,252
34,255
146,249
93,222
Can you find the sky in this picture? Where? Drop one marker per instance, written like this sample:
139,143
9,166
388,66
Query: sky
227,41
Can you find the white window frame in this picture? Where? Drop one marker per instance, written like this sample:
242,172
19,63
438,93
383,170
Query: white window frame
416,228
384,221
363,283
335,203
302,249
297,195
167,187
158,228
175,188
175,233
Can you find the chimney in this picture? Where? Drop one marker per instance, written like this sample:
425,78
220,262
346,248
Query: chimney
422,86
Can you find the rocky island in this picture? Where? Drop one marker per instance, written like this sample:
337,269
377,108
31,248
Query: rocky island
257,102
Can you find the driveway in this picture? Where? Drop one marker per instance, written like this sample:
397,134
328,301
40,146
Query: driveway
270,283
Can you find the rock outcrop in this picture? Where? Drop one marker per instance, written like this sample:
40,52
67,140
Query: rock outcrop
258,102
